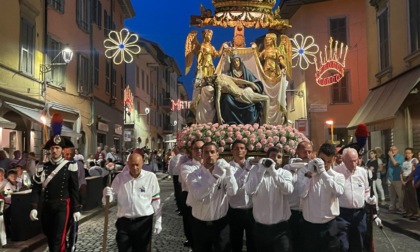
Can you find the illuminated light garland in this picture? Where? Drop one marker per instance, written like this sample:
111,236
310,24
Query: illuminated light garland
121,46
333,62
304,51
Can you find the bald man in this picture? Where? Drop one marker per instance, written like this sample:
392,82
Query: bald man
138,195
352,219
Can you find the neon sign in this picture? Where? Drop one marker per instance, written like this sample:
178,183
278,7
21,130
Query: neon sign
121,46
179,105
333,63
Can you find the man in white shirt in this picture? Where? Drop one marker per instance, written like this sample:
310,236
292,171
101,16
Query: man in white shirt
173,170
240,210
320,186
303,153
138,195
352,219
186,168
209,188
269,188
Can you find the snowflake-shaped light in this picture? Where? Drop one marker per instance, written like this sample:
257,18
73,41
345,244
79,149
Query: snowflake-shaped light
304,50
121,46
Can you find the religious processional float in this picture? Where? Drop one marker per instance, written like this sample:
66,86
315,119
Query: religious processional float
244,96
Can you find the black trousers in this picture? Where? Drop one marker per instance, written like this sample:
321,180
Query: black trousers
186,217
241,220
351,229
134,234
320,237
212,236
295,224
177,191
272,238
54,220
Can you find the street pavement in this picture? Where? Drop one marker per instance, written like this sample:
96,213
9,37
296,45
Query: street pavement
403,234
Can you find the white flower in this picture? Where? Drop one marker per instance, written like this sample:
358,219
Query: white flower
304,51
121,46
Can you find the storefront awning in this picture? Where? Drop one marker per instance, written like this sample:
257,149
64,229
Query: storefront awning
384,101
35,115
6,124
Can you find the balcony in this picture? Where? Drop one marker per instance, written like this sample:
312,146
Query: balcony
166,104
168,129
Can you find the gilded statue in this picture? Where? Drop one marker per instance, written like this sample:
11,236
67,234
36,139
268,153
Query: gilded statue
275,59
205,53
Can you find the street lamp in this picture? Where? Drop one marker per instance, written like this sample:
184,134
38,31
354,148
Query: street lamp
331,123
67,55
146,112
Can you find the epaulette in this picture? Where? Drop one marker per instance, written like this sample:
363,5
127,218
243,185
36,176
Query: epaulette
73,167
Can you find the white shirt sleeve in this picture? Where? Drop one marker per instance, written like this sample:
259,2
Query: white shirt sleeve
283,179
255,178
334,183
230,181
201,185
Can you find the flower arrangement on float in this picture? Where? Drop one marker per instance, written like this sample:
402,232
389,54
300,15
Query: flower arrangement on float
257,138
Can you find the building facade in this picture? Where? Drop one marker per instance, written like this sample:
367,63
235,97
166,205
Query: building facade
391,108
311,105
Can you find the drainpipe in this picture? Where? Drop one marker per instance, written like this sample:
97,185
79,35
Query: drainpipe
91,96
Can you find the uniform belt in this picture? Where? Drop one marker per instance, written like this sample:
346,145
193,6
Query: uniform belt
215,222
350,210
135,219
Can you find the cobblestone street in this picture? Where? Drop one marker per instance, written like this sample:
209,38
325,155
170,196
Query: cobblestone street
172,236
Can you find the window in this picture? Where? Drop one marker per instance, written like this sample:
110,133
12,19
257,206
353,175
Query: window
56,76
340,91
107,77
82,13
57,4
83,75
414,9
95,67
27,45
383,39
97,13
106,23
122,87
137,77
147,84
109,25
338,29
114,83
142,79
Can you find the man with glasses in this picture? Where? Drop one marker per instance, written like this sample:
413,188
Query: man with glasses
319,187
186,168
209,190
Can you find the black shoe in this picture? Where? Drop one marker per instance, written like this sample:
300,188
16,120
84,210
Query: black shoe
187,243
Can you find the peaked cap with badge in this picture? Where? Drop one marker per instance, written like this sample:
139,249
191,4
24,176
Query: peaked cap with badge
56,138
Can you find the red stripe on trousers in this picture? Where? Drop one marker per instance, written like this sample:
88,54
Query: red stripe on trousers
64,234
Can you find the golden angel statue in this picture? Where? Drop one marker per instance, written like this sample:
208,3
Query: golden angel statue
205,53
276,58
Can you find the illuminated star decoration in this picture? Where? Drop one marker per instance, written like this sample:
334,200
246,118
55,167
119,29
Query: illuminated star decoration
121,46
304,50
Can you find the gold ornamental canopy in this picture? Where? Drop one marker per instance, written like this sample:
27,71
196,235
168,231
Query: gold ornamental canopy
245,13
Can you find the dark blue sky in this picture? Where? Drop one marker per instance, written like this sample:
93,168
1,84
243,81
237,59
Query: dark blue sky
167,22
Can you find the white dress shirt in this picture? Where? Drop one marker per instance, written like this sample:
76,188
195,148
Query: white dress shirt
320,195
356,187
135,195
294,198
269,194
173,167
186,169
207,195
241,199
